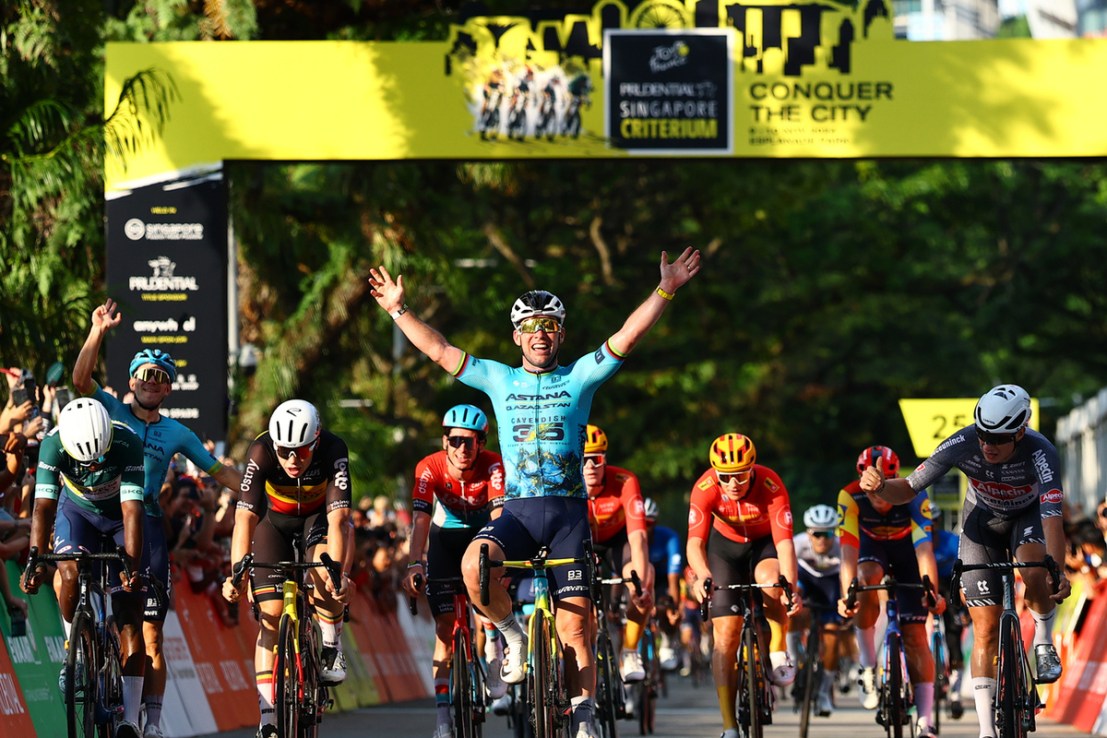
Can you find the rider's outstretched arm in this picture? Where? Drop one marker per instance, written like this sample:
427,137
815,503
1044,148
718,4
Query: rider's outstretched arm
389,294
673,277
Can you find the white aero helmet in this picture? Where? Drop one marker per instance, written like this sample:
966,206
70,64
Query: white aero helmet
1004,408
537,302
820,517
85,429
294,423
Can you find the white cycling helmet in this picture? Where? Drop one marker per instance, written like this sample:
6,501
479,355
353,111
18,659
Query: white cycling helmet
294,423
820,517
537,302
1004,408
85,429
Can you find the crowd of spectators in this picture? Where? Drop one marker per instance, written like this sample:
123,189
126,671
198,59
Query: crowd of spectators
198,512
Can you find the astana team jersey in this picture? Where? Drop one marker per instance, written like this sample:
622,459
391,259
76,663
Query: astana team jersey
541,419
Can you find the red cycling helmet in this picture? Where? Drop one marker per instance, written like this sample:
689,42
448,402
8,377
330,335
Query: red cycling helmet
879,455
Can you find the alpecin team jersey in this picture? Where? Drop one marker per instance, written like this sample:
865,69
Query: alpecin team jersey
541,418
1032,474
118,479
763,511
857,517
616,507
454,503
161,440
324,485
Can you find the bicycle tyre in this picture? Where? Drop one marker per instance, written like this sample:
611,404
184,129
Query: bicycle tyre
80,683
895,707
286,680
607,693
1009,682
110,681
807,680
753,685
461,696
647,692
542,687
314,694
478,691
941,682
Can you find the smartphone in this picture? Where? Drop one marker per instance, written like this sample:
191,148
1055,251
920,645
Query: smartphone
23,392
63,397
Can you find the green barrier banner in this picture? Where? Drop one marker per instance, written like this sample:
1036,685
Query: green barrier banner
37,657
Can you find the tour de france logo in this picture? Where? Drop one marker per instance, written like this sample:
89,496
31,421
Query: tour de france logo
531,78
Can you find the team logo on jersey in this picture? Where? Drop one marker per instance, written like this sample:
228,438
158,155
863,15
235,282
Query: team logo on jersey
1052,497
773,486
695,515
785,518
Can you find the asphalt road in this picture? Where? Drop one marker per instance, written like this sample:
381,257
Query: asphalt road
685,713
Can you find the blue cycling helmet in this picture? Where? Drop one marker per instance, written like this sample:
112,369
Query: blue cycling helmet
466,416
157,357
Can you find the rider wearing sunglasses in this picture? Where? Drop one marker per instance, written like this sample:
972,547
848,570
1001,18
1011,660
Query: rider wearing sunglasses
152,374
1012,509
542,408
616,514
880,538
467,482
88,485
740,520
297,483
820,557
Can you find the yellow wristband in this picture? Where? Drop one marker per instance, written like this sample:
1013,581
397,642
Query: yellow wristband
665,295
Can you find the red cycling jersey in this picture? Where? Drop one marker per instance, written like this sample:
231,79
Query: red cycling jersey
461,503
764,510
617,506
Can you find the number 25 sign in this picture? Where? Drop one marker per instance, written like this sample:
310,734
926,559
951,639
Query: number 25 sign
931,421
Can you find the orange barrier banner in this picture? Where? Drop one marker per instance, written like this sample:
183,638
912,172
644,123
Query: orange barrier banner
1084,683
223,658
367,632
14,717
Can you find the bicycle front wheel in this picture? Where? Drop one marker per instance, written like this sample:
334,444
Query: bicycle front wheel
941,679
546,681
647,692
286,680
461,690
751,682
1011,686
895,706
808,681
110,682
79,681
313,695
608,689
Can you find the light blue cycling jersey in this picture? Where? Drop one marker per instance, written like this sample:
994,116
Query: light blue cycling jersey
160,442
665,550
541,419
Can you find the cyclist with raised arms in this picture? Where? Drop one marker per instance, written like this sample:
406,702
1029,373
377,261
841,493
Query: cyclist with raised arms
297,483
820,557
457,491
615,514
88,487
879,538
152,373
666,555
542,409
740,521
1012,509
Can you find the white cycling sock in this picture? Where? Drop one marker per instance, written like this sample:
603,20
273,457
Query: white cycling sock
511,632
795,644
493,644
983,692
153,709
581,712
866,646
132,698
1043,626
330,629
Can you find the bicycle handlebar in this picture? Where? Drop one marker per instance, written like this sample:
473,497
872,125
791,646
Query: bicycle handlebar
540,562
889,583
34,558
238,571
1048,563
709,587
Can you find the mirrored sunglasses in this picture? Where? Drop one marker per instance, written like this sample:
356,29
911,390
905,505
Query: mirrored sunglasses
93,465
302,453
459,441
995,439
821,534
152,374
546,325
739,477
594,460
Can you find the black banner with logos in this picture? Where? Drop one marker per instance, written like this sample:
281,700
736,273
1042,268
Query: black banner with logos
669,91
167,270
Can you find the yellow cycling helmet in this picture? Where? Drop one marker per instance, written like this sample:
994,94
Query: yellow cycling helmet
732,452
595,440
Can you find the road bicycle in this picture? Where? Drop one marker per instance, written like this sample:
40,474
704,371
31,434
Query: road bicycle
647,691
755,693
545,676
610,690
468,699
896,699
940,648
299,696
809,674
1016,702
93,680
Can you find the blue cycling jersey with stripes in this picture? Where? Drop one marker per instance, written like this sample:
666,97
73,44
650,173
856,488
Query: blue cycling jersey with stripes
541,419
